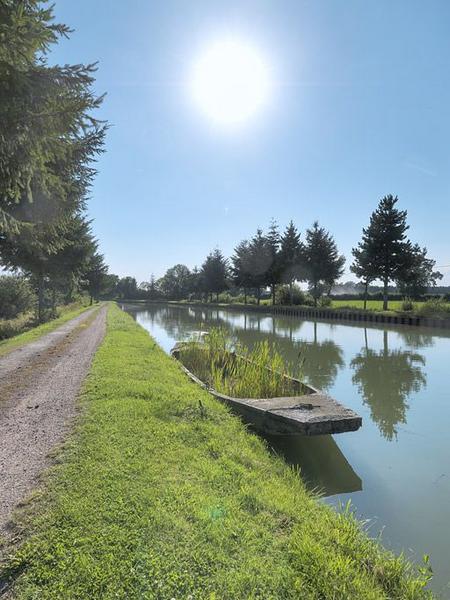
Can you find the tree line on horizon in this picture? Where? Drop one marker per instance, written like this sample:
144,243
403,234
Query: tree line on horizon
48,143
272,259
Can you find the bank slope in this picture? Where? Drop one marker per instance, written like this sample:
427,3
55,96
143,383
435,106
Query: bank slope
164,494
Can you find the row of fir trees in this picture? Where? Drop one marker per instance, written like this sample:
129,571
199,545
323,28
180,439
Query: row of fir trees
266,260
49,140
274,258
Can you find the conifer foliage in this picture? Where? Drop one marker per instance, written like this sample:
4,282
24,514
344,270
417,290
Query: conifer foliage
385,253
49,139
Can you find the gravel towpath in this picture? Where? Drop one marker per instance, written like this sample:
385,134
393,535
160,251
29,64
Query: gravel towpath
39,385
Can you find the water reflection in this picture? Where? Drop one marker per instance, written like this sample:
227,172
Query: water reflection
322,361
386,378
323,466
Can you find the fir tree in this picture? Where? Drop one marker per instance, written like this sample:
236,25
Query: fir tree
240,267
324,265
259,262
381,252
215,273
273,272
291,257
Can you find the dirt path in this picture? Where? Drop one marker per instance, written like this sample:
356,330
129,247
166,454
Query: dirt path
39,384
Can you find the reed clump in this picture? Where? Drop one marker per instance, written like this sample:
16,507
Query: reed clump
235,370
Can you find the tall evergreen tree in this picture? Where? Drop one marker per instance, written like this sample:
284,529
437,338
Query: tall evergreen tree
95,276
240,267
48,135
273,273
259,261
384,244
291,257
215,273
324,265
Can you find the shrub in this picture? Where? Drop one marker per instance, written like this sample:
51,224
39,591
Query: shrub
284,296
324,302
12,327
16,296
407,305
436,308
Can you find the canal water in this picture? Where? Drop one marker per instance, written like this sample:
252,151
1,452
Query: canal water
396,469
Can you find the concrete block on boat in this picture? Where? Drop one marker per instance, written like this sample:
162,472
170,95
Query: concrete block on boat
311,413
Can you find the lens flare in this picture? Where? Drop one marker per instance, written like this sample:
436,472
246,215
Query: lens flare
230,82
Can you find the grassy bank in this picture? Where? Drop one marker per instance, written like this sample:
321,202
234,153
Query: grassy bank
163,494
31,333
394,305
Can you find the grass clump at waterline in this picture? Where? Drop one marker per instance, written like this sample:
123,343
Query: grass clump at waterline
161,497
235,370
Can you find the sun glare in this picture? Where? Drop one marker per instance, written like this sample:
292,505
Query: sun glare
230,82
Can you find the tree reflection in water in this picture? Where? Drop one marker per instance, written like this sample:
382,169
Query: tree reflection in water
386,379
322,361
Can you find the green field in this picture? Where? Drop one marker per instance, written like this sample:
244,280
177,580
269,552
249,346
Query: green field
394,305
163,494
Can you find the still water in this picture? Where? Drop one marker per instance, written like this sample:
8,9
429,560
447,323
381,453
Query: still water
396,468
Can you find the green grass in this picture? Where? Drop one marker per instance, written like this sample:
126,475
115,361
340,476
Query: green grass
394,305
65,314
164,494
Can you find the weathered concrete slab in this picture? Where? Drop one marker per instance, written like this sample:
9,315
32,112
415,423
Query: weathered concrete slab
312,413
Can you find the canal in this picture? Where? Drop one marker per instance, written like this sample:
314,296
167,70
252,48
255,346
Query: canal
396,469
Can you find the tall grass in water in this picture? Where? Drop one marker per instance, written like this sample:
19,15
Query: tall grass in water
235,370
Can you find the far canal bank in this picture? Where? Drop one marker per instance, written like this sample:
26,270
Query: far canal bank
333,314
395,469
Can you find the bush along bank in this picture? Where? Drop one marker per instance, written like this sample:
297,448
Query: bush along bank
162,493
23,329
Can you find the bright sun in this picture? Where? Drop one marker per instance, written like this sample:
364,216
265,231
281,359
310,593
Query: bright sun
230,82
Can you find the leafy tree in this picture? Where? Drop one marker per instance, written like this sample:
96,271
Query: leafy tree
110,283
126,288
291,257
196,283
384,245
215,273
324,265
176,283
416,274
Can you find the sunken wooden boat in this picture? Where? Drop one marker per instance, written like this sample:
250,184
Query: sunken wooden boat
307,412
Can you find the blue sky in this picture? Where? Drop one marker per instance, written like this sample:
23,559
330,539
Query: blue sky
360,108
